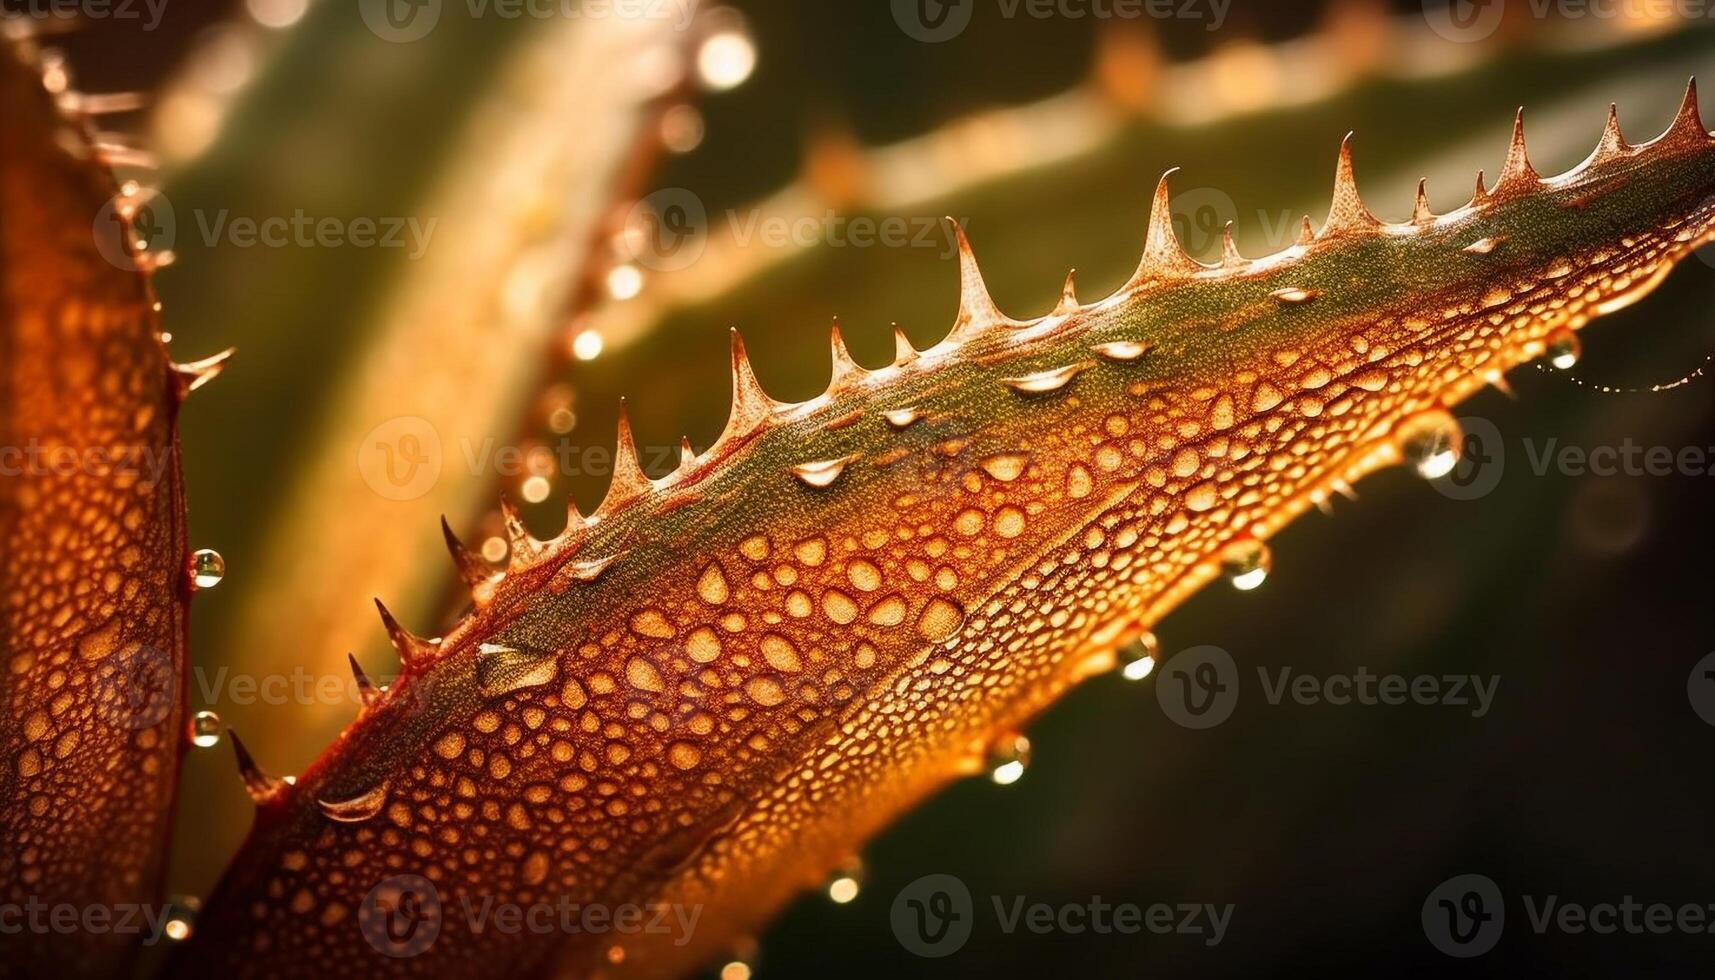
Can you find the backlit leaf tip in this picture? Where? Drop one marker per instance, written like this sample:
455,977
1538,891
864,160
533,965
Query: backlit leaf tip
629,482
367,692
1164,259
1230,255
1518,178
1068,295
751,405
521,546
262,787
192,375
411,648
1687,126
687,456
977,310
846,369
1347,214
475,571
903,352
1480,195
1613,142
1421,214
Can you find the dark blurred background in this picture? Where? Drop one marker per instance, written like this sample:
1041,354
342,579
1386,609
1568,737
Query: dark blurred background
1325,827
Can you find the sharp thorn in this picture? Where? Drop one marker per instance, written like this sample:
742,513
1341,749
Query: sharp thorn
473,569
194,374
1420,212
262,787
976,307
1068,296
367,692
903,352
628,482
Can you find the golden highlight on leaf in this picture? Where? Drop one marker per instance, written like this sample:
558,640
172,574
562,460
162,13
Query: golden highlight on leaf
92,548
713,691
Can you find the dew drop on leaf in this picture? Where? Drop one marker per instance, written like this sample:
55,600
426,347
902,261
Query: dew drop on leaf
1246,563
501,670
205,729
207,568
358,808
1564,350
1429,441
1008,758
1137,658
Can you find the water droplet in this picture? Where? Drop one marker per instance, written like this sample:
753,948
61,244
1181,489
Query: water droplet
1006,467
652,623
823,472
1564,350
845,884
1429,441
643,675
1008,758
1043,382
1138,658
205,729
1122,350
502,670
535,868
1047,381
941,620
1078,481
207,568
838,606
863,575
181,918
1294,295
765,690
1245,563
358,808
712,585
902,418
737,968
703,645
780,653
